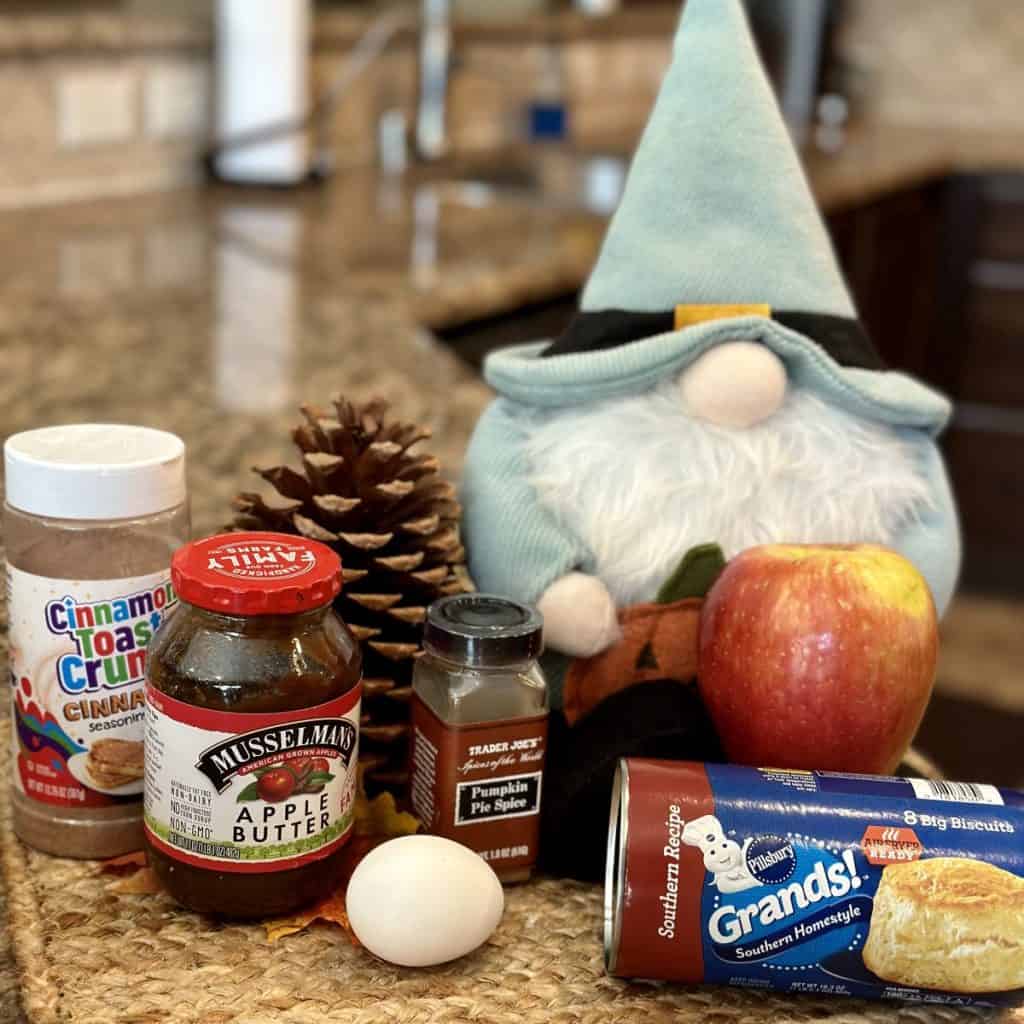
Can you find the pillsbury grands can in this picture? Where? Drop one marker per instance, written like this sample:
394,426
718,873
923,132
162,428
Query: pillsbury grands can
816,882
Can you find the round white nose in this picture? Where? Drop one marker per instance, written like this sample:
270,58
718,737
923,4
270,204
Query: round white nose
736,384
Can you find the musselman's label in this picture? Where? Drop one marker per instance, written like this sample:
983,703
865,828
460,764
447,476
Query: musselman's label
250,792
221,762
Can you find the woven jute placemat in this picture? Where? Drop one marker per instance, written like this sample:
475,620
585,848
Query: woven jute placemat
90,956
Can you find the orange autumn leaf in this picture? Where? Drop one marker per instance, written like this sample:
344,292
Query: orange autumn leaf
331,910
143,883
136,877
126,863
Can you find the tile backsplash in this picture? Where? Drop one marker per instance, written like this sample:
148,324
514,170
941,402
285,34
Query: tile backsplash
113,101
81,126
955,63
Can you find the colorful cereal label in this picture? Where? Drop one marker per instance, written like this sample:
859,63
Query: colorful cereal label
78,669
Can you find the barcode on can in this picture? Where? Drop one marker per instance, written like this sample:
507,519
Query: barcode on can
956,792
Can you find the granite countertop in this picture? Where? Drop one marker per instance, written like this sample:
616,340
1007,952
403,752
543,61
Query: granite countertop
215,317
880,158
214,313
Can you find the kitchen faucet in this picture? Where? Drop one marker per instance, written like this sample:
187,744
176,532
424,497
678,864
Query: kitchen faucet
435,53
430,131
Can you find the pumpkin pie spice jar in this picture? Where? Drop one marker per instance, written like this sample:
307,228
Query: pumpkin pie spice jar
480,725
252,727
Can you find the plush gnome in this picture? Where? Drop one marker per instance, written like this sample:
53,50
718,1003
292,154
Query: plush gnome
716,391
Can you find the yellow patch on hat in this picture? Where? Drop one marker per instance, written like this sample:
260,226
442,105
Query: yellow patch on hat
689,315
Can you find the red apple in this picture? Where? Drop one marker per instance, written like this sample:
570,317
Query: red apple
818,656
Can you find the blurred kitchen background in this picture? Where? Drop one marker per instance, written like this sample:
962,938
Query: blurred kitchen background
212,211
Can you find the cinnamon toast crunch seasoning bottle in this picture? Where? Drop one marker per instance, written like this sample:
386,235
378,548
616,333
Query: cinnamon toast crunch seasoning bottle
480,720
92,516
252,727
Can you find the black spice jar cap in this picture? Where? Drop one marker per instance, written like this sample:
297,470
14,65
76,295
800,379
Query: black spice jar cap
483,630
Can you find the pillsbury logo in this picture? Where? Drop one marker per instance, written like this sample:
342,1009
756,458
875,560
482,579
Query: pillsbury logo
778,900
771,859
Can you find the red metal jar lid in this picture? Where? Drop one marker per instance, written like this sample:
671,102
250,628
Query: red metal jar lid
256,574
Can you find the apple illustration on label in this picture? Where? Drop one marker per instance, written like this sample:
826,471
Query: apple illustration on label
818,656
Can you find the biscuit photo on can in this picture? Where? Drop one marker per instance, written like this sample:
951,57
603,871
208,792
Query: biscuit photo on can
948,923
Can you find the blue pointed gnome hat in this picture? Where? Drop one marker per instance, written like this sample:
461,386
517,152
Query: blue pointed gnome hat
716,213
717,209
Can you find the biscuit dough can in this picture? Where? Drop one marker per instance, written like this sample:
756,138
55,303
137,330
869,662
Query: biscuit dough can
818,882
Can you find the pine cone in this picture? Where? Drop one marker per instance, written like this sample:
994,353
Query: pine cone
394,521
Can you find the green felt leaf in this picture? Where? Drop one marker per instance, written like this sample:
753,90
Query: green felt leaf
695,574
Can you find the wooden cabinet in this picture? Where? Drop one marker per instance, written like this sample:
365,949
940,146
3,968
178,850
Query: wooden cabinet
938,274
986,464
982,349
889,250
992,371
1000,208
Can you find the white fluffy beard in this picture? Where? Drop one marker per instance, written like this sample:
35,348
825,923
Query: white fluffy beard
640,482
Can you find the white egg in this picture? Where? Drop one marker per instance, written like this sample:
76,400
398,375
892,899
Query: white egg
423,900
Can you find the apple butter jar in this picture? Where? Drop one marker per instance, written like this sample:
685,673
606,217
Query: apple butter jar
252,724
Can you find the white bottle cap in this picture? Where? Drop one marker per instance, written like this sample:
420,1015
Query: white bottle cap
94,471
